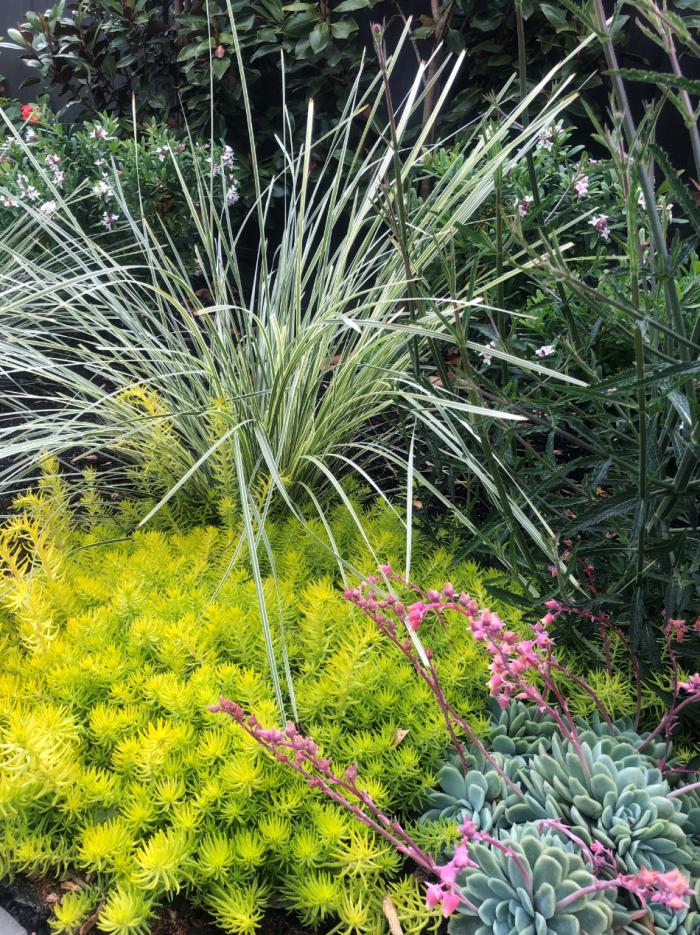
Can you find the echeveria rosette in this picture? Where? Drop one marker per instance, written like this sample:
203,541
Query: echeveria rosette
519,729
523,896
690,807
596,728
670,922
622,802
478,794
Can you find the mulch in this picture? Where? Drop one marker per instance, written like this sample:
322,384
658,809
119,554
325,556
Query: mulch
31,903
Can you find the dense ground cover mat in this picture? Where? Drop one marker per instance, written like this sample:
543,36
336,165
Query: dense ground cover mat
112,766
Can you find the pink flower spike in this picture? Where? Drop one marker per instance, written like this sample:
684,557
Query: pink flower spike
461,858
600,222
545,351
581,186
676,629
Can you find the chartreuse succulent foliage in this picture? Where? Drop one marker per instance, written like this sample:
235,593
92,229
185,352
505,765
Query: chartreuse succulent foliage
112,766
619,810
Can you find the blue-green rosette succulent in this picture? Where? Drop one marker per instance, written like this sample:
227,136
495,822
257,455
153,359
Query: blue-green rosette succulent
477,794
620,800
508,896
619,806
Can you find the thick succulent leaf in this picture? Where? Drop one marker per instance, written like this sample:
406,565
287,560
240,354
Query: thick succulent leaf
487,910
516,875
593,918
466,925
602,783
566,924
453,782
478,886
545,900
547,871
588,806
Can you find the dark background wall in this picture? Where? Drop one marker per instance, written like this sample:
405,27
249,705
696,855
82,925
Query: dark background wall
11,13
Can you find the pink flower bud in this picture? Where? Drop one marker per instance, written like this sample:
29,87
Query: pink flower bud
450,901
433,895
448,873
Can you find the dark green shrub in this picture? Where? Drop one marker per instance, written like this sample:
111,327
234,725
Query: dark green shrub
179,59
604,469
108,178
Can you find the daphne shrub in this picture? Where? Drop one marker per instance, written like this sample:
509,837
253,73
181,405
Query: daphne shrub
106,176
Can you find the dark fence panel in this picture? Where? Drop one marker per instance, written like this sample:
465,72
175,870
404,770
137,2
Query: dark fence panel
11,13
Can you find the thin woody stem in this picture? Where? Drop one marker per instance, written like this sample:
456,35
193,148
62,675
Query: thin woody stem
684,789
668,718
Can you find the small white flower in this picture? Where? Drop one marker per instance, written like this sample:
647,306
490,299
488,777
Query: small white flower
53,161
49,208
102,189
600,222
108,219
669,211
641,201
7,202
227,157
98,133
485,354
161,153
545,350
59,178
21,181
31,193
232,196
545,137
581,186
523,205
29,135
100,162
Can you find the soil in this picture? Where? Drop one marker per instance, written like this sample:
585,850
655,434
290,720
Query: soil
31,903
